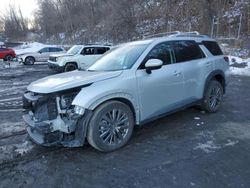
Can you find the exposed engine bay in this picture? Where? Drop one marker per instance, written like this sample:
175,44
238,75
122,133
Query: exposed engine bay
52,120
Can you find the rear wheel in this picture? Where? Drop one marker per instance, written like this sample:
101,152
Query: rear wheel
111,126
29,61
70,67
213,96
8,58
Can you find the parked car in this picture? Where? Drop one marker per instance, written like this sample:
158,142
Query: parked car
41,55
130,85
7,54
77,57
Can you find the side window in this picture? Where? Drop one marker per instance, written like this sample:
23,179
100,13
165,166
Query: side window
100,50
187,51
161,51
44,50
213,47
55,49
88,51
2,49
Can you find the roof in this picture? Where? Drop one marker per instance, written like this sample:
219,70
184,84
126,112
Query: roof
177,35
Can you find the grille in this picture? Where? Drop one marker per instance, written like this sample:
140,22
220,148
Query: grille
51,58
46,110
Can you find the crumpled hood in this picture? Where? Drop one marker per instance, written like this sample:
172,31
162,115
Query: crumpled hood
69,80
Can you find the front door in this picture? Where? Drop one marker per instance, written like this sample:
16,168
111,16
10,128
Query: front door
162,90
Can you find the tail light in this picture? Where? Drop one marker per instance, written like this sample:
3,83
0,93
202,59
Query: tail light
226,58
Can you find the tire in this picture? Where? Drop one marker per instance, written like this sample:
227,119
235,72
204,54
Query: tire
70,67
29,61
8,58
105,133
213,97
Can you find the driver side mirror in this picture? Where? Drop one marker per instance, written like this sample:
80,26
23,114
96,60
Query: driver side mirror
153,64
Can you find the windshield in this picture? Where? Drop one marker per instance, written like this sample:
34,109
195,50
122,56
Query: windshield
119,58
74,50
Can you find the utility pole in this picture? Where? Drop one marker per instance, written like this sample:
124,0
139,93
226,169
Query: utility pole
212,30
239,26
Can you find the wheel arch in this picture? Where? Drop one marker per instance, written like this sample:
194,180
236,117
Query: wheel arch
217,75
71,62
30,56
125,98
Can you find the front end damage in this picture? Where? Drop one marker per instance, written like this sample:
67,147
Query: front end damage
52,120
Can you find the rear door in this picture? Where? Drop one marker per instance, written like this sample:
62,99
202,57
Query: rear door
190,57
162,90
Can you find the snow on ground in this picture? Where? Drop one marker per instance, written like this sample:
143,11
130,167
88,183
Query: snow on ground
239,66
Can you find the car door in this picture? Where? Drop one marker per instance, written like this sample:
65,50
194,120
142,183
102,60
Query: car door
162,90
190,57
43,54
87,57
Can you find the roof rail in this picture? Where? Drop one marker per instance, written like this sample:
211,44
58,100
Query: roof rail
161,34
176,34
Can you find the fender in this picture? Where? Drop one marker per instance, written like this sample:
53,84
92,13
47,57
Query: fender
211,76
99,99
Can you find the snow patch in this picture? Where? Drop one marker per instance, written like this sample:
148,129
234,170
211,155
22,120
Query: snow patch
197,118
23,148
207,147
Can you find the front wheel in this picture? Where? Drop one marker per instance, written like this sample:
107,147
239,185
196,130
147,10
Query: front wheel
212,97
70,67
29,61
111,126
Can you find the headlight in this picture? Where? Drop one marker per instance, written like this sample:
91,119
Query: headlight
79,110
58,58
66,101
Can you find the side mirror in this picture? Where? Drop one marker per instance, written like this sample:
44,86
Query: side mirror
153,64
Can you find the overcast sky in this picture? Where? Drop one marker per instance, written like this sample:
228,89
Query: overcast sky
27,6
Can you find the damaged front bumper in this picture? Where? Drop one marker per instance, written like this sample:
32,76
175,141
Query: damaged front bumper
51,125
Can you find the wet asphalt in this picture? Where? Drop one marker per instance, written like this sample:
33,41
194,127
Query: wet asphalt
189,148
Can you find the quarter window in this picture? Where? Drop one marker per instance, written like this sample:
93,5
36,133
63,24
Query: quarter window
213,47
187,51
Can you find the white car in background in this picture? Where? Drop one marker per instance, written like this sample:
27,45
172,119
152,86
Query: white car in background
41,55
77,57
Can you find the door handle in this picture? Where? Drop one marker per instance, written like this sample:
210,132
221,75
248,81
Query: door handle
208,64
176,73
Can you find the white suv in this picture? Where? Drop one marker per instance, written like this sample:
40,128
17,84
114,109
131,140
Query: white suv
77,57
41,55
130,85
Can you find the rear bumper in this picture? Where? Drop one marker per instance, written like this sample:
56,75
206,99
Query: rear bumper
55,67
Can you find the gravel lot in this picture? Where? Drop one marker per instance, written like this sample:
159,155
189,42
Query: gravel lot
186,149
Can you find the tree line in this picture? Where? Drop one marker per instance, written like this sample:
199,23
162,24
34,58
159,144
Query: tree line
73,21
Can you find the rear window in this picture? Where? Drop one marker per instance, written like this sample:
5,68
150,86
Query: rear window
187,51
213,47
101,50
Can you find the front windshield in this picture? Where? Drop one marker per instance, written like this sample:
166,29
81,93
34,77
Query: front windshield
119,58
74,50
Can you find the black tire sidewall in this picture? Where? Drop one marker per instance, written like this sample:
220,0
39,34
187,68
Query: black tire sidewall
68,65
28,63
93,129
205,105
8,58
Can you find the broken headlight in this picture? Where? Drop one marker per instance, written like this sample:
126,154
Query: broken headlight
66,101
